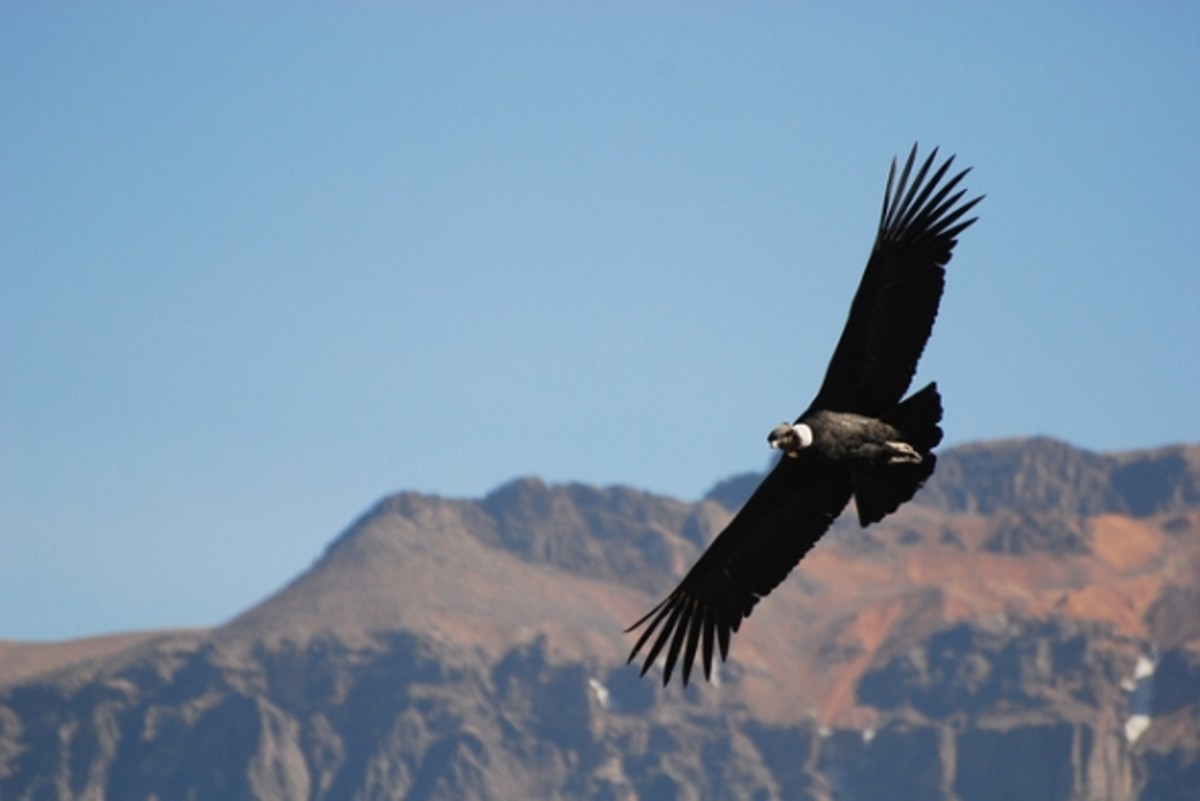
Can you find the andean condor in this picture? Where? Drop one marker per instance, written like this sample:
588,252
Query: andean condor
857,437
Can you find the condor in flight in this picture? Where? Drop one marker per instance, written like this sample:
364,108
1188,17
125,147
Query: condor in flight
857,438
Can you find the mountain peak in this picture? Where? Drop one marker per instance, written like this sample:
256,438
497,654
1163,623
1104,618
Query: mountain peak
430,564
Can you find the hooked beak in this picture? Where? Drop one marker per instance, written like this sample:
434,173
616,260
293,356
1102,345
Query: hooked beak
791,439
778,435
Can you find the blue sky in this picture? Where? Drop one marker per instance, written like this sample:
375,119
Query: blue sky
262,264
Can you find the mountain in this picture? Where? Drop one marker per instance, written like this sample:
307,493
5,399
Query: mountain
1028,627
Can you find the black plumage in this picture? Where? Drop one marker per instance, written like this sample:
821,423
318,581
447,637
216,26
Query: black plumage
856,439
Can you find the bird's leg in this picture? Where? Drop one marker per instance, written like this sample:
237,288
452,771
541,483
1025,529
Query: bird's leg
903,453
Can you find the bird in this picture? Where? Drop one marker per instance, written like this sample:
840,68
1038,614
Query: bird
859,438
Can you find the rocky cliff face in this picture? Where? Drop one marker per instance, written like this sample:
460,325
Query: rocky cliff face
1028,628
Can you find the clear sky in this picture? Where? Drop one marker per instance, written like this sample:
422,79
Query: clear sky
264,263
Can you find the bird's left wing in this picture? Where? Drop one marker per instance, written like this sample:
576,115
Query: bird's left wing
897,300
784,518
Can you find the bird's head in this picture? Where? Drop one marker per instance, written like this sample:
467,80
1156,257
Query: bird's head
790,438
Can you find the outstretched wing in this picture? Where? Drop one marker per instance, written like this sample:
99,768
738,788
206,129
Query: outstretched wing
783,519
897,300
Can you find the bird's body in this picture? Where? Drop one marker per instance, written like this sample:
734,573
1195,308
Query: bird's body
852,440
859,437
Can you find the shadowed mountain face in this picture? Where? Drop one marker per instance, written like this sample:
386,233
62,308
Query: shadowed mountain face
1028,627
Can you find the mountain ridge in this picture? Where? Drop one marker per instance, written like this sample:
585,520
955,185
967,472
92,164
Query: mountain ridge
1045,474
574,527
444,648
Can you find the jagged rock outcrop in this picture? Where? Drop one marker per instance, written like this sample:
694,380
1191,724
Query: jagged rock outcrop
1028,628
1052,477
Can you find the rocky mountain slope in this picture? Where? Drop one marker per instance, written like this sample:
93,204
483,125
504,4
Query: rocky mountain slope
1028,627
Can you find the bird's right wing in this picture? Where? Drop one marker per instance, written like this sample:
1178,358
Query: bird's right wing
784,518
